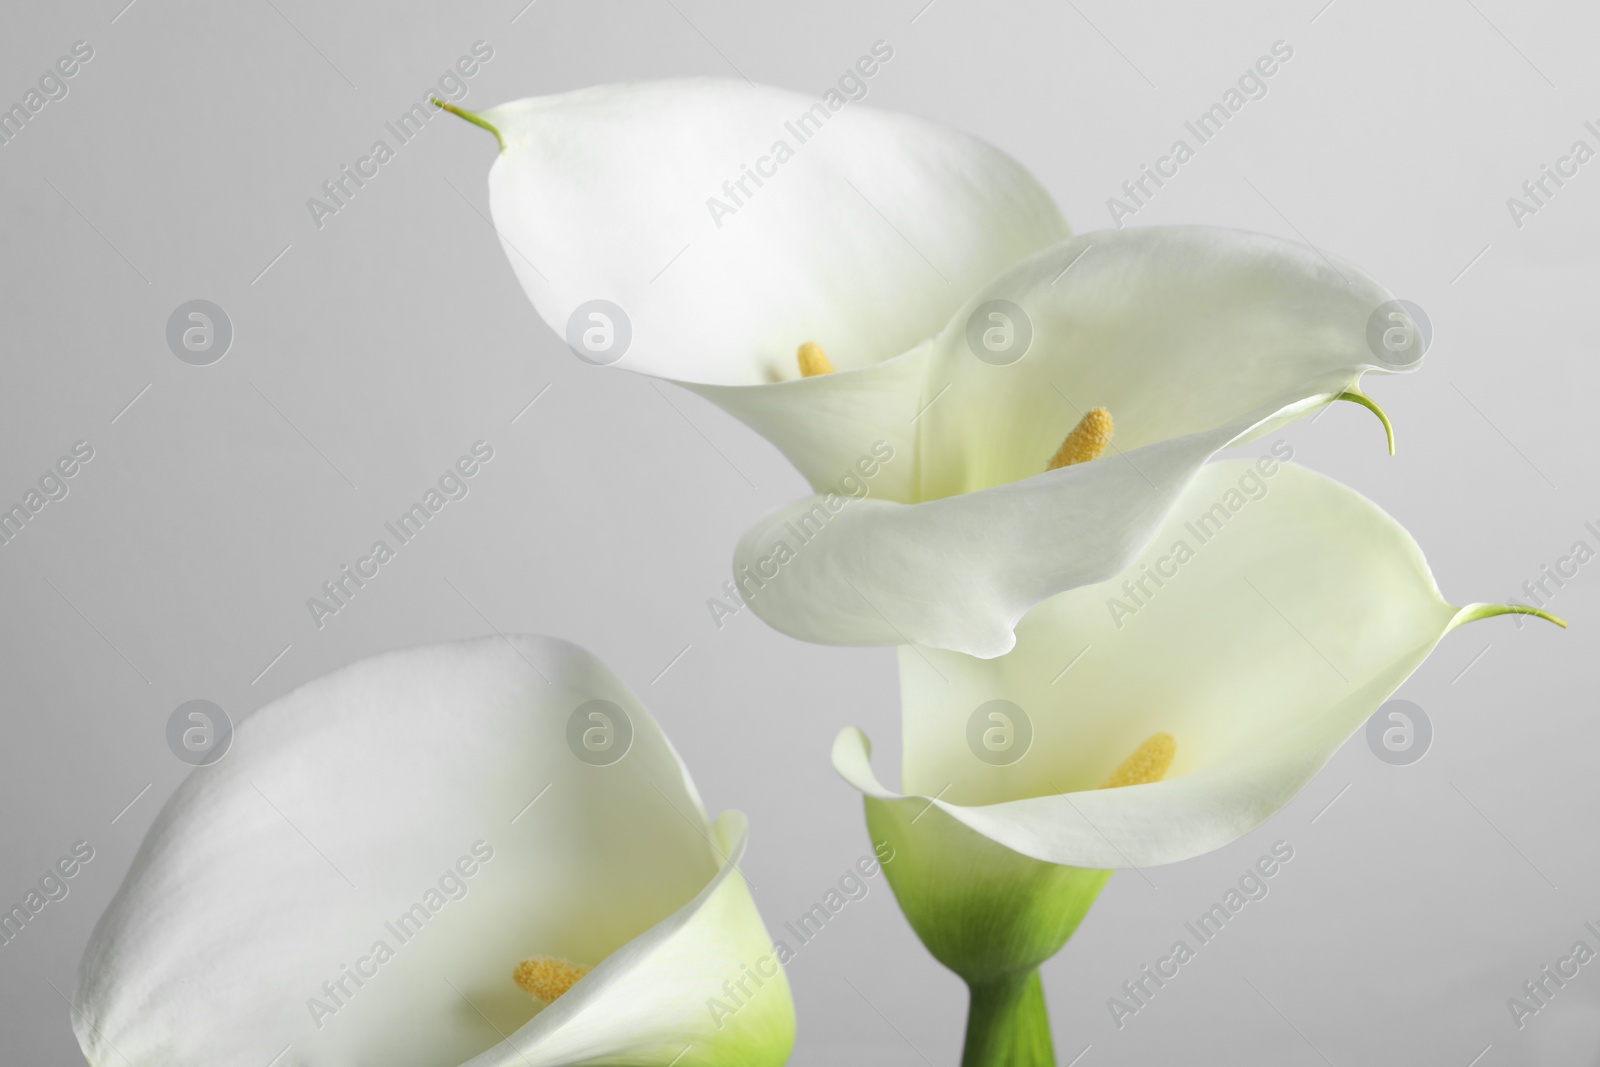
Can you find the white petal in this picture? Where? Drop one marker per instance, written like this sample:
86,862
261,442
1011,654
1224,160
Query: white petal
1194,338
856,425
1176,330
349,801
663,993
959,573
1261,654
865,241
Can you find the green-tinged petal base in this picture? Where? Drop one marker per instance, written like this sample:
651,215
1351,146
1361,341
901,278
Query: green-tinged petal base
986,912
989,914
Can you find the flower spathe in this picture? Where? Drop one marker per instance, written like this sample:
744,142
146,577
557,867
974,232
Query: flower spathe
885,243
1273,613
388,852
1194,339
865,241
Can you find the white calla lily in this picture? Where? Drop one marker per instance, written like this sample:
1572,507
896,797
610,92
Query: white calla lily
389,852
1193,339
970,334
1146,719
866,240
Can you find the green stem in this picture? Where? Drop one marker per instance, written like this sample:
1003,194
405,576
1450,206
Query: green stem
472,117
1474,612
1355,396
1008,1024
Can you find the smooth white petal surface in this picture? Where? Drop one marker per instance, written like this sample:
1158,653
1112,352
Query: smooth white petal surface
865,239
660,999
1194,338
961,572
827,425
426,800
1298,613
1177,330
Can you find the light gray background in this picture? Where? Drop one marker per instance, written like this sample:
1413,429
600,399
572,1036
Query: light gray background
377,350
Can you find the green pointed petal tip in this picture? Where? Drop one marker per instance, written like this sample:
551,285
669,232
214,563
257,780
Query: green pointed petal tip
1474,612
472,117
1358,397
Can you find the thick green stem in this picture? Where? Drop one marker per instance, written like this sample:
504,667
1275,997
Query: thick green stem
1008,1024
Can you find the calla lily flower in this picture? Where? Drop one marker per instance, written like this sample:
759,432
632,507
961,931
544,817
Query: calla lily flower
902,311
482,853
1143,720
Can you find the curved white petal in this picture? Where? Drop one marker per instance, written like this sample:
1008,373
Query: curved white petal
1177,330
426,800
961,572
860,423
865,238
1194,338
1278,636
661,999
